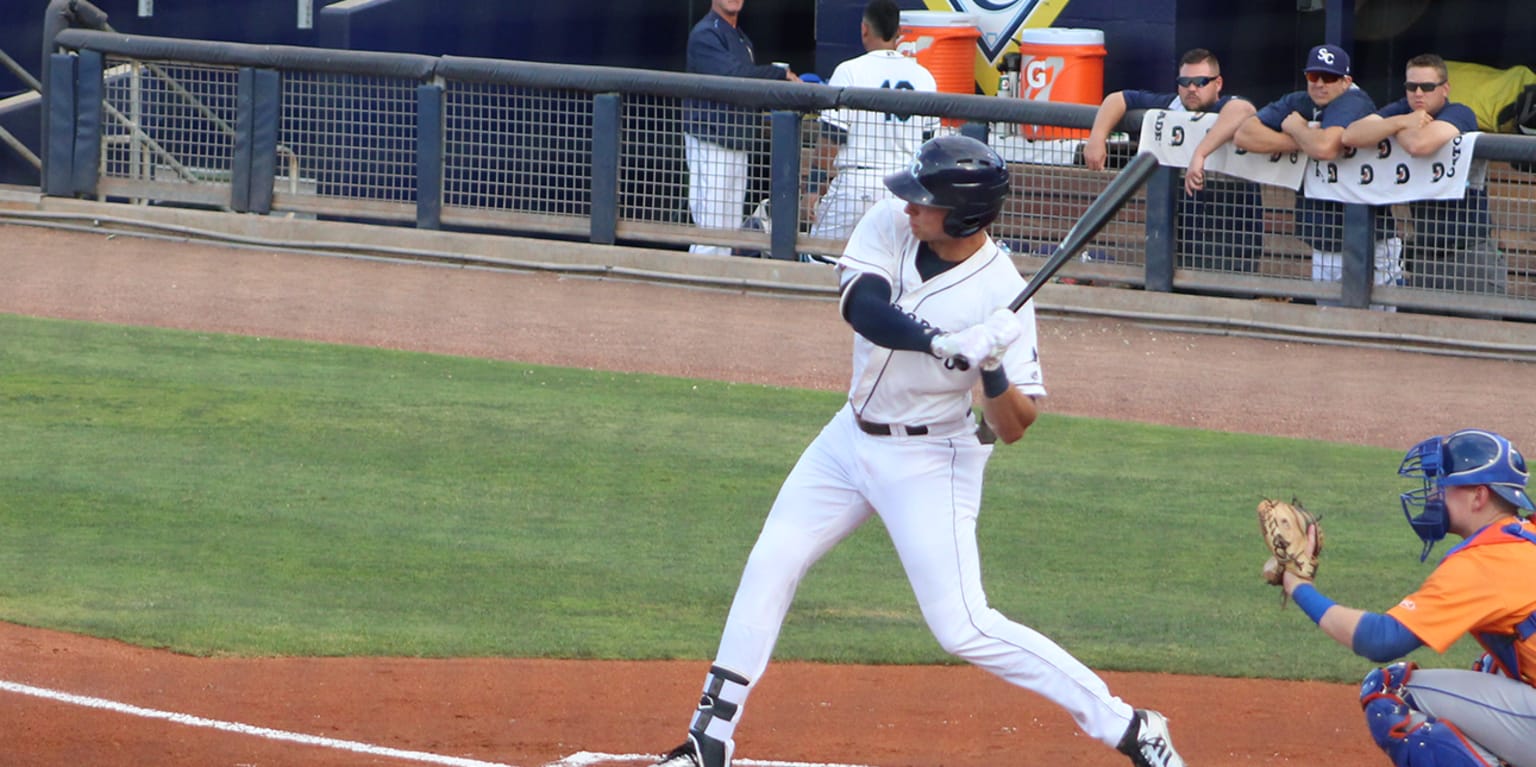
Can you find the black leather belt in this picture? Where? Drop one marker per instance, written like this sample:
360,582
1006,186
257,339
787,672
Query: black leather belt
884,429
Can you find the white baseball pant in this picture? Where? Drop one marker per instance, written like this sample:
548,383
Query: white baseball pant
717,188
927,491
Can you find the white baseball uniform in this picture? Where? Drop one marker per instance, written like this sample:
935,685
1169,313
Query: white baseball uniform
926,488
877,143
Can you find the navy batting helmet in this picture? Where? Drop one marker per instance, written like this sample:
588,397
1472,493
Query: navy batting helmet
1467,457
958,173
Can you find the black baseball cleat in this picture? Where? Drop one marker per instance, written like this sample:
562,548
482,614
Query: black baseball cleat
1147,742
682,756
699,751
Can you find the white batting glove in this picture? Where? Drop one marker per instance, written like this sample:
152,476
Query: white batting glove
1003,328
972,344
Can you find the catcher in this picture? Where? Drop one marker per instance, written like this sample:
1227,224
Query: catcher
1473,485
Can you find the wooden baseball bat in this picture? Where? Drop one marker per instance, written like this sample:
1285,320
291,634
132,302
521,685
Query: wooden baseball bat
1104,207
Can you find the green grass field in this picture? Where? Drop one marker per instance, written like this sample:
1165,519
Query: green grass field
233,495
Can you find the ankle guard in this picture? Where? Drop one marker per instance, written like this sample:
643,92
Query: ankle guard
725,692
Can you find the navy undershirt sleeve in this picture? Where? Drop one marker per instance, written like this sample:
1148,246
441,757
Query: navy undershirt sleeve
1382,638
868,308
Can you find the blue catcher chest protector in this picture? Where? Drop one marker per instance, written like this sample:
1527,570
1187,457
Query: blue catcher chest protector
1467,457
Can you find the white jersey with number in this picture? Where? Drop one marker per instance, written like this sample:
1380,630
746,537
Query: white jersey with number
915,387
877,142
880,140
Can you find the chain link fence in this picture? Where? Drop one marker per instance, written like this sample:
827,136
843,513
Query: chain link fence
589,152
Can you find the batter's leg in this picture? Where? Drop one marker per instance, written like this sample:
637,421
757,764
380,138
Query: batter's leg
930,511
817,507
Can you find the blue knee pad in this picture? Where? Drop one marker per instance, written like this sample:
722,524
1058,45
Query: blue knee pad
1389,720
1390,680
1430,743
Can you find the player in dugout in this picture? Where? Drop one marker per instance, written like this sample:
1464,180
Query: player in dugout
1219,227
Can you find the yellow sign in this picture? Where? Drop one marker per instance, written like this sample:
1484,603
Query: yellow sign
1000,22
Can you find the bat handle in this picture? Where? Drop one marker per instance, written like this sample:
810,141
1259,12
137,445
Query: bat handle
959,362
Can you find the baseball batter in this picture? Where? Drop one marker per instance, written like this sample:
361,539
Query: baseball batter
922,283
870,144
1473,486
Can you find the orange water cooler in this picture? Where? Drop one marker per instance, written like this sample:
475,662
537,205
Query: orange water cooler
1064,65
945,44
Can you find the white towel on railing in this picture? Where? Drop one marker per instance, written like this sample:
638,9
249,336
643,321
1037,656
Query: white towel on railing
1172,136
1388,174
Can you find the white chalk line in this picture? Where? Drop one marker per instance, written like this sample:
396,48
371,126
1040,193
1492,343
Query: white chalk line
589,758
578,759
243,729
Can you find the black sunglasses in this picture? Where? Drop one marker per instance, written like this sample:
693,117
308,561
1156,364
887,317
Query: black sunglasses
1326,77
1425,87
1198,82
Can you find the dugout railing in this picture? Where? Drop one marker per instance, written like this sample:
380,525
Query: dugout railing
595,154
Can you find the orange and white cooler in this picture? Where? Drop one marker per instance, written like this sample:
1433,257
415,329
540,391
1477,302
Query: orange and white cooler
1061,64
945,44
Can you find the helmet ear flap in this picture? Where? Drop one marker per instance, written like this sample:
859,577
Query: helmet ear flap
957,173
963,226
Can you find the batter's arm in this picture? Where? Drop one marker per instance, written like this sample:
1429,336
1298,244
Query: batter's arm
868,309
1011,411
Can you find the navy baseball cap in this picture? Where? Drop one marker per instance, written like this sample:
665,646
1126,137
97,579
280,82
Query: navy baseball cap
1328,58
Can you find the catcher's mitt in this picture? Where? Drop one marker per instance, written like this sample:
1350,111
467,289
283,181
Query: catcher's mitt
1284,527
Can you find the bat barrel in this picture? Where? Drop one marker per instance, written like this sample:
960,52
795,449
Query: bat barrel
1103,208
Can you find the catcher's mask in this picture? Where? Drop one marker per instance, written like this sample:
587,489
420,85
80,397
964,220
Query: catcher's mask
1467,457
958,173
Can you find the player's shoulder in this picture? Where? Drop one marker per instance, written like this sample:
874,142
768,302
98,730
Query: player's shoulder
1001,274
1459,115
1355,97
1399,107
881,221
1139,99
891,211
879,240
1296,101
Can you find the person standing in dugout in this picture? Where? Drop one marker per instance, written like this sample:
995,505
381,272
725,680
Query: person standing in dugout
869,145
719,138
923,287
1473,486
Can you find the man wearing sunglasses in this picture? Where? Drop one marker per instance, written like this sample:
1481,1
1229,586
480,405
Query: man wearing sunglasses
1452,248
1219,229
1312,121
1473,485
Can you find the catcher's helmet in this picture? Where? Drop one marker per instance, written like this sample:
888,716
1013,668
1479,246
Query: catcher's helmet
1467,457
958,173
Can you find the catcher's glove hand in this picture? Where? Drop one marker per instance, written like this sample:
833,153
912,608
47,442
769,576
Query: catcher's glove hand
1288,533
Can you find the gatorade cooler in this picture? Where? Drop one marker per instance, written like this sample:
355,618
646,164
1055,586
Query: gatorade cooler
1064,65
944,43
